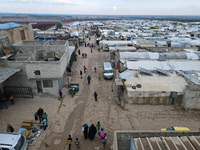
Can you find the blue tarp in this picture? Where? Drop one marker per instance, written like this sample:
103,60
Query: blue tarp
20,130
9,25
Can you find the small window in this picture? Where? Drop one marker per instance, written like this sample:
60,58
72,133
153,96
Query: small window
47,83
37,72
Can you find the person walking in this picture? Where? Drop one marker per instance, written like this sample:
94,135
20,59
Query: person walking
98,125
92,132
104,140
36,116
84,69
99,128
85,44
11,99
77,144
9,128
79,52
45,116
88,78
85,130
91,50
40,114
69,141
44,124
101,133
81,73
3,102
95,69
99,76
60,93
95,96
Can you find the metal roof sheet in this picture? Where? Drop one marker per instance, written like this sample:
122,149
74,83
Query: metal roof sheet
161,71
6,72
9,25
146,71
166,142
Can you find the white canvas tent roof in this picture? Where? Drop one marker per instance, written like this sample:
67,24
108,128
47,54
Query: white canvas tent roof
168,65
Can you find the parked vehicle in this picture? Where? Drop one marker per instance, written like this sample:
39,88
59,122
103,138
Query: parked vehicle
107,70
176,129
73,88
12,141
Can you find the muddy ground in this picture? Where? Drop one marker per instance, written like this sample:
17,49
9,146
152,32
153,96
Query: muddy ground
67,116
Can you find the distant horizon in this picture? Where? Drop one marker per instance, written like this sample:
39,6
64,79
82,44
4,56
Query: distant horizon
103,7
11,13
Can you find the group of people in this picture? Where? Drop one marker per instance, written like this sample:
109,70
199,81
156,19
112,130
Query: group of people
3,100
42,117
84,55
69,142
92,132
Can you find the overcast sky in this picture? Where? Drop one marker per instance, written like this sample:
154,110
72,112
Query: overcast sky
103,7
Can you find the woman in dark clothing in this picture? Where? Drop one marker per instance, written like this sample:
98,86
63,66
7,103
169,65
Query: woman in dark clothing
85,130
92,132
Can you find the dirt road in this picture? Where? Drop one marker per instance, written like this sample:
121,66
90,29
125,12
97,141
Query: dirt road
67,116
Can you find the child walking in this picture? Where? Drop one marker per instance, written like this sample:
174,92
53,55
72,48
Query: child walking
77,144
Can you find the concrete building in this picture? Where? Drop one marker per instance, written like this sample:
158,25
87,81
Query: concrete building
162,82
16,32
42,65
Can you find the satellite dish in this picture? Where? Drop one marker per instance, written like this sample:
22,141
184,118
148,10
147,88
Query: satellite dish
138,85
133,87
129,85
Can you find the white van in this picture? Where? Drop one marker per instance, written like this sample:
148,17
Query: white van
12,141
107,70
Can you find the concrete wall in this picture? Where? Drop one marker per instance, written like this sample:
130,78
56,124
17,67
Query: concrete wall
191,98
20,79
51,90
26,77
14,34
149,100
122,139
48,69
153,98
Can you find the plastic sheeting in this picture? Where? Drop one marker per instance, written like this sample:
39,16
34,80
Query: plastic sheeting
153,55
124,75
171,65
21,130
192,56
138,55
9,25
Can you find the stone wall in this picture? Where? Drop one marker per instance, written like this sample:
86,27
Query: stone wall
14,34
191,98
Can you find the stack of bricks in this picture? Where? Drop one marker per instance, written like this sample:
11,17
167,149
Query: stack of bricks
27,124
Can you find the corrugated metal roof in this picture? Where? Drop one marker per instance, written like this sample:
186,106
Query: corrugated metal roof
6,72
166,142
9,25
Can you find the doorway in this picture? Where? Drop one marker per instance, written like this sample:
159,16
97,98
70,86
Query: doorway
39,86
172,97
